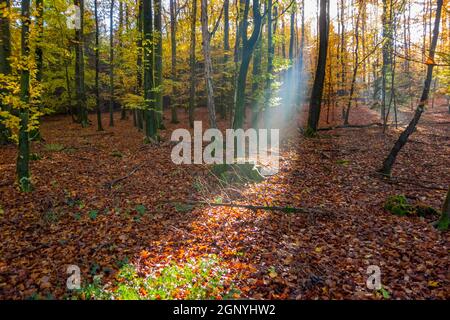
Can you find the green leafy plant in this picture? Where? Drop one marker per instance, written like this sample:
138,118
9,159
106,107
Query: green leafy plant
202,278
93,214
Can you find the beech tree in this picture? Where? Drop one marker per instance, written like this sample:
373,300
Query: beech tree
319,79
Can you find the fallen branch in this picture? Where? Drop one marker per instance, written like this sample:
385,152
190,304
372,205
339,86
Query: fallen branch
285,209
96,134
351,126
111,184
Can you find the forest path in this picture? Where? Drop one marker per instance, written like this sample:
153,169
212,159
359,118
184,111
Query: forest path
72,217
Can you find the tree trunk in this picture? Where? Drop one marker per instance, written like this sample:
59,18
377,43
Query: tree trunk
316,95
208,64
79,68
23,172
248,46
355,69
97,63
390,160
158,64
139,80
256,83
270,56
173,41
444,221
292,35
5,66
111,65
387,47
192,64
40,34
150,114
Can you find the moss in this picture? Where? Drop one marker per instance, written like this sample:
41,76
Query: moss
399,205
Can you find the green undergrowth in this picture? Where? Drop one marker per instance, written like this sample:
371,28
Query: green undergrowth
202,278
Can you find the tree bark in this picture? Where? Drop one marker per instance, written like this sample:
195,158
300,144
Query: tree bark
5,66
356,66
149,113
248,46
23,157
158,64
173,41
192,64
139,81
111,65
444,221
390,160
316,95
97,71
208,64
79,68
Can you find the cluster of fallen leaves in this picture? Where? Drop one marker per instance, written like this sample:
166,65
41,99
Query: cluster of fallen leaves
76,217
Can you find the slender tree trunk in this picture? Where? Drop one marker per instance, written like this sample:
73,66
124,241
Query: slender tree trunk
173,41
316,95
390,160
301,55
247,52
355,69
139,81
226,47
270,56
111,65
158,63
292,35
23,171
387,47
256,82
97,71
40,35
208,64
150,114
5,65
343,51
192,64
79,68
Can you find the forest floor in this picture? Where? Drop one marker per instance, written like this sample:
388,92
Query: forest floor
77,216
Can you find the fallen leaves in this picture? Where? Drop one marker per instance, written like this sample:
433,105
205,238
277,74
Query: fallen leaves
266,254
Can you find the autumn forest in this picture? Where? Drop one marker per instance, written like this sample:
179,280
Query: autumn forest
224,149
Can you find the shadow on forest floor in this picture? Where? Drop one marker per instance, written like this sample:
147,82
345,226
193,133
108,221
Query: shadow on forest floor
74,218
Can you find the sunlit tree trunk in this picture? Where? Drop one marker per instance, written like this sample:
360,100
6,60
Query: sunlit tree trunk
208,64
23,156
390,160
356,65
256,82
192,64
173,41
270,56
150,114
